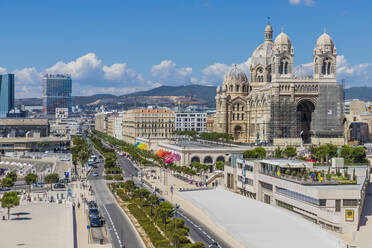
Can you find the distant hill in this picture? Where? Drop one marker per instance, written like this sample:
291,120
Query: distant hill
361,93
168,95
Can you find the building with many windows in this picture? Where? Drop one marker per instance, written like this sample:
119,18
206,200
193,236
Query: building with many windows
304,189
115,125
57,90
100,122
191,121
6,94
147,123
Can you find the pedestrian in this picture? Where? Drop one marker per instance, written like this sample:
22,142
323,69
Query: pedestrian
78,204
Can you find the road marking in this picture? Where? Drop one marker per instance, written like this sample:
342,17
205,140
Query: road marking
113,226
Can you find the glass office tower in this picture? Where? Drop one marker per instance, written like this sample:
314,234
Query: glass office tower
6,94
57,90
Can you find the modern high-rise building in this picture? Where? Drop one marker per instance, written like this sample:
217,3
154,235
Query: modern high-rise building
6,94
57,90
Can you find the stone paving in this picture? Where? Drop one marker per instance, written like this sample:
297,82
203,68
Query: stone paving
38,225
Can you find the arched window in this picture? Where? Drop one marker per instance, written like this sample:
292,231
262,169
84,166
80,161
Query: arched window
231,88
329,68
286,68
281,67
244,88
237,88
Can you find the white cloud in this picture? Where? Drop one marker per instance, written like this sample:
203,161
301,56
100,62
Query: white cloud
214,74
306,2
167,72
354,75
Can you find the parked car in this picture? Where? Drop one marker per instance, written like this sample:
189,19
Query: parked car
37,185
96,221
95,174
93,212
64,180
59,186
92,205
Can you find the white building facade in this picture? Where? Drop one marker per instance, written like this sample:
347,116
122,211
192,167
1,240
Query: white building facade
191,121
335,206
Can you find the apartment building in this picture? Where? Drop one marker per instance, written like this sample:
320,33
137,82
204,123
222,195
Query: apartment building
114,125
191,121
147,123
300,187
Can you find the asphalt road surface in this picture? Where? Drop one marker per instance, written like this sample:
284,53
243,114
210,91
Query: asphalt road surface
118,225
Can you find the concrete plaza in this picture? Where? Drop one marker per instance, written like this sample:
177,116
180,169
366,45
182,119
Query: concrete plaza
39,225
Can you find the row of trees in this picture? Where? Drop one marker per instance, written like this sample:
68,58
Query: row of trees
80,151
145,206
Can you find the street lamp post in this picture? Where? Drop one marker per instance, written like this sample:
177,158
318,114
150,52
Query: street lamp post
175,224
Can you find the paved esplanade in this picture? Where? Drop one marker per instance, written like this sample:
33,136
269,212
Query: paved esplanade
39,225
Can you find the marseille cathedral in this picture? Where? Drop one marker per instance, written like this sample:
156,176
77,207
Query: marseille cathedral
274,105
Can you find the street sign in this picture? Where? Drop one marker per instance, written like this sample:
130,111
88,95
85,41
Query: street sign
88,227
67,174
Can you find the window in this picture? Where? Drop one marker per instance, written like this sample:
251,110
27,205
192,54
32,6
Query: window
242,116
267,199
350,203
267,186
233,116
338,206
237,116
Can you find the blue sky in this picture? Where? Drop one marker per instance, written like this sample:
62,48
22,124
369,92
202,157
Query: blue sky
122,46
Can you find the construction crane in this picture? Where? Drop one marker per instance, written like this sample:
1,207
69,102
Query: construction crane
188,101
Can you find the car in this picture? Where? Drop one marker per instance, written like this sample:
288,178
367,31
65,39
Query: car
95,174
96,221
92,205
93,212
59,186
64,180
160,200
37,185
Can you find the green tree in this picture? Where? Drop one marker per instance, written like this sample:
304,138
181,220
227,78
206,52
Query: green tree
278,153
31,178
12,175
9,200
152,200
165,211
290,151
260,152
7,182
51,178
196,245
346,153
129,186
220,165
142,194
359,155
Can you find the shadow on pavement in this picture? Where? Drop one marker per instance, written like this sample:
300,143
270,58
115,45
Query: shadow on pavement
20,213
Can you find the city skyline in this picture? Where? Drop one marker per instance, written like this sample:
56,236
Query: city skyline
124,47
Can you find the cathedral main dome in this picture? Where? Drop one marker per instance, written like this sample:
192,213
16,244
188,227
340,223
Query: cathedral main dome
235,75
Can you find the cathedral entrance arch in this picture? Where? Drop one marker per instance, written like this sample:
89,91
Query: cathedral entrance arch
208,160
237,132
305,109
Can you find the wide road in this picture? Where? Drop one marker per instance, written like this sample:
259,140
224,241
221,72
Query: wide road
121,231
197,232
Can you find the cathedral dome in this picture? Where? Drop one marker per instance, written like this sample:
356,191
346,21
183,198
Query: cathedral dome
262,54
324,40
235,75
282,39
